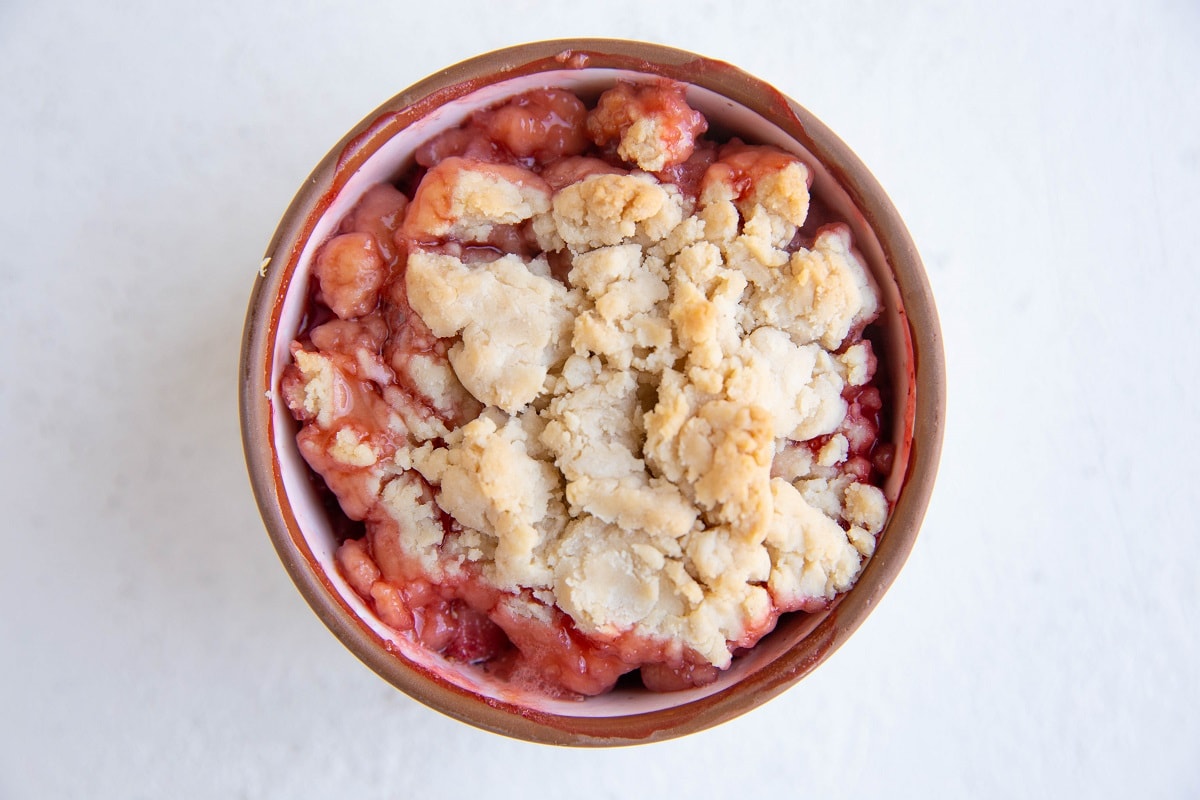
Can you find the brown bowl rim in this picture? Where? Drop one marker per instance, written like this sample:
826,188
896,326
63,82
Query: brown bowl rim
927,404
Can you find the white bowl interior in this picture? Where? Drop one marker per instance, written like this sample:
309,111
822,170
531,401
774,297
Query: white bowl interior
392,158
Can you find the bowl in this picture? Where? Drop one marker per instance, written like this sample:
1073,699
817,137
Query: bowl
376,149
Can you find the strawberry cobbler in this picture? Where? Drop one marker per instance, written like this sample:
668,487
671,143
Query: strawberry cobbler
595,392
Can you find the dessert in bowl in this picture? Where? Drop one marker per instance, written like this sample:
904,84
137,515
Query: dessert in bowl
592,392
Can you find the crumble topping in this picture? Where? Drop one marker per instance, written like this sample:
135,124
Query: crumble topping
417,530
490,484
608,209
645,415
511,315
350,449
651,125
865,506
322,394
465,199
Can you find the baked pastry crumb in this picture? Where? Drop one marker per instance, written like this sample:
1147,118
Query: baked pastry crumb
603,399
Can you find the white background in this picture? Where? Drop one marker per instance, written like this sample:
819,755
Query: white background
1042,639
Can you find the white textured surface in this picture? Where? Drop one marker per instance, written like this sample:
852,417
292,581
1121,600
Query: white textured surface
1042,640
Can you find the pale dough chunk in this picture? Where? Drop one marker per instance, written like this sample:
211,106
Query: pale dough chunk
792,462
704,308
857,364
725,617
652,124
822,293
437,382
326,393
634,502
731,571
610,581
758,257
834,451
513,322
824,493
722,558
593,427
729,447
414,420
813,558
466,199
489,483
603,210
418,529
594,432
862,540
644,144
690,231
775,373
625,324
350,449
865,506
482,200
755,183
676,405
722,450
820,403
783,195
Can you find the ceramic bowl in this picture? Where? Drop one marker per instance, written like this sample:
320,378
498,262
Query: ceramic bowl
377,149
